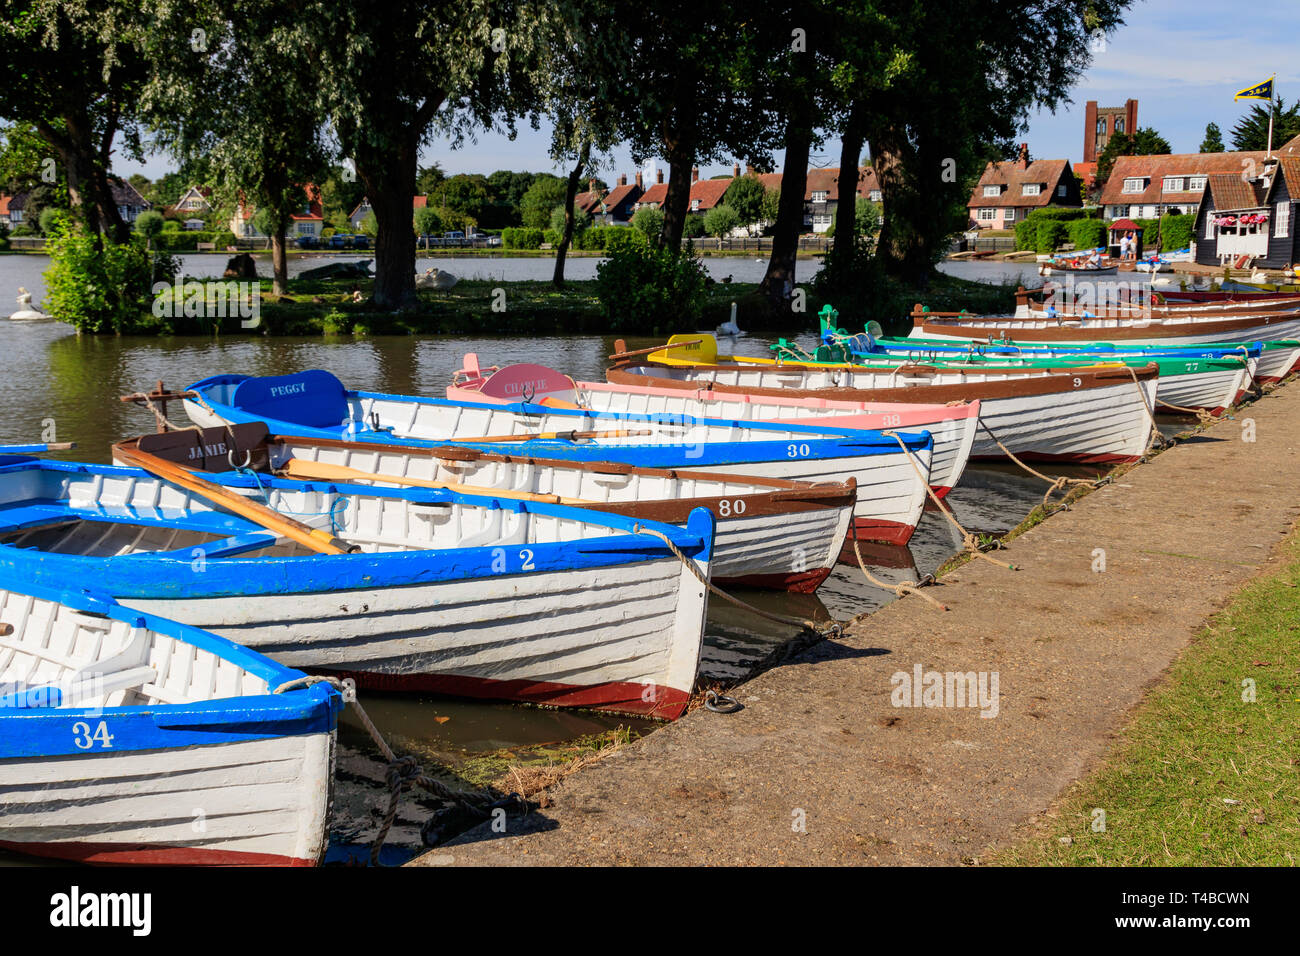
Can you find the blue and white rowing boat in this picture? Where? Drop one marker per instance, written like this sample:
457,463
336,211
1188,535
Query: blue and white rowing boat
129,738
448,593
314,404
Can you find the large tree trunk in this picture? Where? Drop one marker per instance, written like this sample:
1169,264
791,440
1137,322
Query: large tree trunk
86,173
846,213
389,178
677,201
570,190
778,282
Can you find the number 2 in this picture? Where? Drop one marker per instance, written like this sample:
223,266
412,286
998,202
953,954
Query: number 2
528,560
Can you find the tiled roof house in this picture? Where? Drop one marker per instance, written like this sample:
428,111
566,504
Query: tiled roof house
1008,191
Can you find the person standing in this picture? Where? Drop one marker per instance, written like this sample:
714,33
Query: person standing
1123,246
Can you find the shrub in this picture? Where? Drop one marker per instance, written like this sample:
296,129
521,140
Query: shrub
172,225
50,218
1027,234
643,287
1051,234
721,220
108,290
649,221
552,237
4,237
624,239
693,228
522,237
1177,232
1087,233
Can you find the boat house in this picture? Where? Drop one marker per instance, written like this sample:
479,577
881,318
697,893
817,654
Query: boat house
1250,221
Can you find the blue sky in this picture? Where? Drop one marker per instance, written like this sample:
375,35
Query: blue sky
1181,59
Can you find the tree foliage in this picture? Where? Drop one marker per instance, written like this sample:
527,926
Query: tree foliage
1251,131
1213,142
1141,142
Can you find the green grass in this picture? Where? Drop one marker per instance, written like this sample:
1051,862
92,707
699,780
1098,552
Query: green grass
1201,777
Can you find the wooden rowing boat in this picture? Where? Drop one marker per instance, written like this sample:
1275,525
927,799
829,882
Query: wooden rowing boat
449,593
1126,328
314,404
952,426
128,738
771,533
1081,415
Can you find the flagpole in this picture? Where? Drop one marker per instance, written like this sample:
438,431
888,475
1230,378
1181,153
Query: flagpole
1270,127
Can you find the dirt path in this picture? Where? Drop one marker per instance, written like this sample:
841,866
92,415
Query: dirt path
819,742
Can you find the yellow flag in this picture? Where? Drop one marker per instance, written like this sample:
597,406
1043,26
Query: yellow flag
1264,91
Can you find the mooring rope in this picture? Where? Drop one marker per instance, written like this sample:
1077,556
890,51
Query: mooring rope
1056,484
969,542
402,772
829,629
907,587
1157,440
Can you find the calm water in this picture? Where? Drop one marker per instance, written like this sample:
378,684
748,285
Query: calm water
72,384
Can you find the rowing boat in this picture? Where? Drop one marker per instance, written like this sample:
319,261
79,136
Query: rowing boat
1080,415
314,404
129,738
1210,379
446,593
953,426
771,533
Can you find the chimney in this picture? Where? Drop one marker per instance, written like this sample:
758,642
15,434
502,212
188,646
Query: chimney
659,175
1023,160
638,179
695,174
622,180
735,170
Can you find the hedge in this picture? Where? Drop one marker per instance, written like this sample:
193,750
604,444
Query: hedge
522,237
1051,235
1087,233
188,241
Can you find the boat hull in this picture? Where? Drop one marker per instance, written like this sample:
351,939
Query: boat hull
250,803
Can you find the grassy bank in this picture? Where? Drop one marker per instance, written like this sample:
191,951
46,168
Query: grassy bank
1202,777
485,307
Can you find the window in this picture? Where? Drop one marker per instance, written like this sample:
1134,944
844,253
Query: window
1030,189
1196,184
1060,190
821,223
15,215
875,195
819,195
1134,184
1119,125
1209,223
1101,126
695,205
1282,216
1173,184
993,190
985,214
1009,215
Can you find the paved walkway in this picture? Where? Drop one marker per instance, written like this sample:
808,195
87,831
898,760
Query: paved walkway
821,768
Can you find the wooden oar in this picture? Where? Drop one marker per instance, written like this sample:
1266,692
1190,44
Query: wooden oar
323,471
38,448
314,538
562,436
656,348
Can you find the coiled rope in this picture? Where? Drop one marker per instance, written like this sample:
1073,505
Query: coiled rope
403,772
907,587
1056,484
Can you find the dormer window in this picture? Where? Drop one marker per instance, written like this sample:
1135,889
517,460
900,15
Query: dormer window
993,190
1031,189
1196,184
1135,184
1175,184
820,195
875,195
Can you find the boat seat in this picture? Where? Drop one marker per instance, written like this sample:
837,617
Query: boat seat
315,398
79,689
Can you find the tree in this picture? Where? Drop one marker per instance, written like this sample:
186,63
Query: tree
1251,131
546,192
745,197
1141,142
721,220
72,71
392,75
686,93
649,221
247,103
1213,142
967,78
427,222
581,221
466,193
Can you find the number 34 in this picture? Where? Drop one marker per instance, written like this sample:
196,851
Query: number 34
85,739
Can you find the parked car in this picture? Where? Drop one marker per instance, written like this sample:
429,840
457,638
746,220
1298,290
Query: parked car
340,240
360,242
307,242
